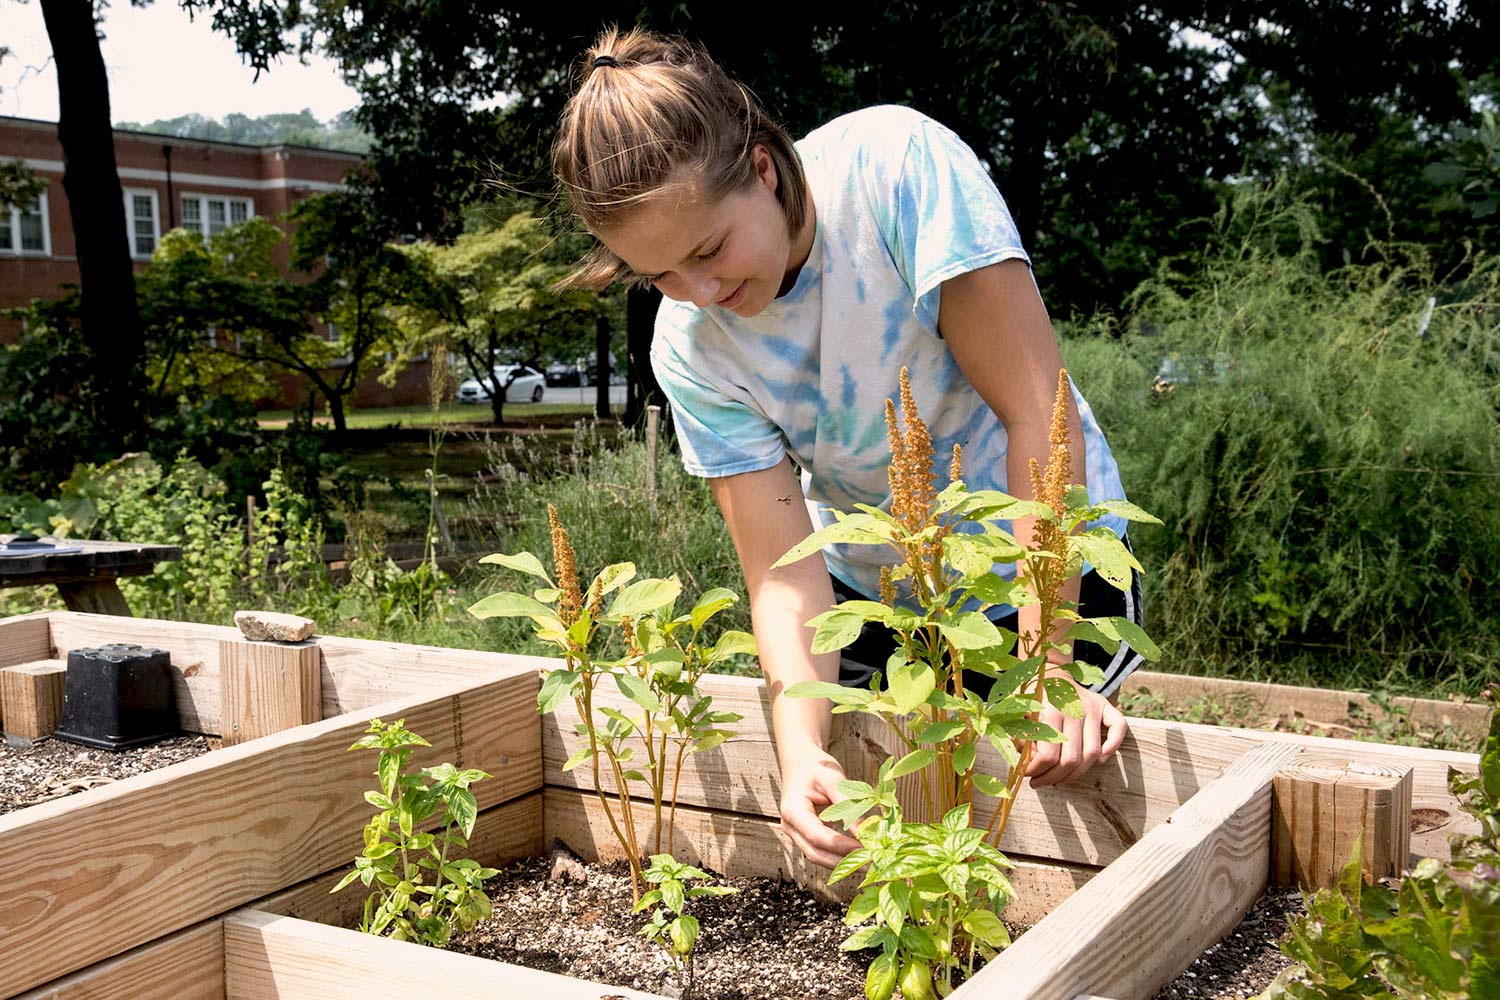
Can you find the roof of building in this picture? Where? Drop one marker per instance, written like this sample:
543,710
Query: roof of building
40,124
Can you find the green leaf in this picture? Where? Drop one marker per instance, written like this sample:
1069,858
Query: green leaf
1137,638
880,979
556,689
909,686
684,933
379,800
1108,555
865,937
1064,697
892,903
521,562
989,784
1088,631
511,605
971,630
613,577
938,732
733,643
672,895
994,589
835,629
853,529
638,691
1127,510
986,927
963,759
965,554
645,596
710,604
845,811
917,942
836,693
913,762
577,758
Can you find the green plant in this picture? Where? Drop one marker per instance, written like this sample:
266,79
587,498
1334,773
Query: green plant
1435,936
933,879
400,857
660,657
671,925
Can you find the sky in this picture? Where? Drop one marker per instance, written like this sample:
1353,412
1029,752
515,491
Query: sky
161,65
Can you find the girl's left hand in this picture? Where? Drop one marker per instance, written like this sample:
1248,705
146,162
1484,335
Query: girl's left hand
1082,748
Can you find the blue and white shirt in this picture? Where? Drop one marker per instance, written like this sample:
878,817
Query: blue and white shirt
902,206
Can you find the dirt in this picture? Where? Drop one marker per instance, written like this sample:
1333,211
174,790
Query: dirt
770,939
52,769
1244,963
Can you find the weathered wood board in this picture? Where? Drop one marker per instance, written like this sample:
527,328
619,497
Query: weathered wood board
1091,821
196,839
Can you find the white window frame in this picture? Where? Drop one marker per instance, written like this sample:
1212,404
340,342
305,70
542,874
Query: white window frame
130,194
203,199
15,249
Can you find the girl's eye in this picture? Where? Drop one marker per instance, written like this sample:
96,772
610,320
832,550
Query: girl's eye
710,255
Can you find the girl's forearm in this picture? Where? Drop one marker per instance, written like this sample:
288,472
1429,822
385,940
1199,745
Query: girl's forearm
801,725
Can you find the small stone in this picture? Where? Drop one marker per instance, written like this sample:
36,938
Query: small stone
259,626
566,867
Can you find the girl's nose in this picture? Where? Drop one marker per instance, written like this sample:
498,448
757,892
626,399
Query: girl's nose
705,290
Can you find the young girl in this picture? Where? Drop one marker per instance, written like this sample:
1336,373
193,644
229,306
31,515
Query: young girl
799,281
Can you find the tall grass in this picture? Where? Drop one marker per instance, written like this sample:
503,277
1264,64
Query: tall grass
1326,458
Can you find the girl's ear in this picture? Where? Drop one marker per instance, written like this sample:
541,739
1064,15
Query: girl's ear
765,168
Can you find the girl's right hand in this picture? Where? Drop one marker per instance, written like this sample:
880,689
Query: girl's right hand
809,785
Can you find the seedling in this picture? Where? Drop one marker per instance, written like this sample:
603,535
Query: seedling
399,857
671,925
664,655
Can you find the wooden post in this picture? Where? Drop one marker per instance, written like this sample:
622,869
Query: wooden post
1323,803
653,429
31,697
265,687
437,516
250,533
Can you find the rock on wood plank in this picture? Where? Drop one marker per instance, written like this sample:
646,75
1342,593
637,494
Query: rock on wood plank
266,687
31,697
1323,804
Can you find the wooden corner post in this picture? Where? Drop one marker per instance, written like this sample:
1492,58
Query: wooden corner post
265,687
1323,803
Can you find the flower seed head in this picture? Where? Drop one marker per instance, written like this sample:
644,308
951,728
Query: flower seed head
566,565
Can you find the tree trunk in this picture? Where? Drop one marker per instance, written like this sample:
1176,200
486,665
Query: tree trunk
640,324
488,379
111,322
601,365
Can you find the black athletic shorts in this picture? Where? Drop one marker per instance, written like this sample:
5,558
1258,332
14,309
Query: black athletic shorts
1096,599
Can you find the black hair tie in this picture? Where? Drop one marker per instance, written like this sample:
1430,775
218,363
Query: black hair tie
605,61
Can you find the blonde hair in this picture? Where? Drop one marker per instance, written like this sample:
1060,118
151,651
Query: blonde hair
648,111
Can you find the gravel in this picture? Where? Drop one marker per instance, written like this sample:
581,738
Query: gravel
51,768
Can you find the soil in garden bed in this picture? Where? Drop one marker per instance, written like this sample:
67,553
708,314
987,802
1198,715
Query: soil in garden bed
1246,962
51,768
770,939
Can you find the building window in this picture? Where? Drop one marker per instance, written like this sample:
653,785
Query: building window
23,228
144,222
208,214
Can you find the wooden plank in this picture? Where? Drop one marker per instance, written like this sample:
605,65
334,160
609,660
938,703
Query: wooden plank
501,835
188,965
94,596
355,673
735,844
195,839
265,687
31,697
1323,806
1089,821
1320,704
270,957
26,638
1145,918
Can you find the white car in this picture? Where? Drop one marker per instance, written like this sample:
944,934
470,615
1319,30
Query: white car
527,386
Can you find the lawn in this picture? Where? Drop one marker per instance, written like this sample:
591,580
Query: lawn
449,415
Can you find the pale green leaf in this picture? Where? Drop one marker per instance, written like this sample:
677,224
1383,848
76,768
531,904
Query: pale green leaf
521,562
913,762
645,596
971,630
511,605
854,529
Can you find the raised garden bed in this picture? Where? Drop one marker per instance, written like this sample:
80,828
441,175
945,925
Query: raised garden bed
94,874
1123,879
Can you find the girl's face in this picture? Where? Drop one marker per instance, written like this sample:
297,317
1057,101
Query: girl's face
734,252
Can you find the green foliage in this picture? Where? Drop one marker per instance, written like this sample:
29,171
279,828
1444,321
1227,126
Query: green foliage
671,925
1322,447
19,184
659,658
302,128
401,855
934,889
1437,935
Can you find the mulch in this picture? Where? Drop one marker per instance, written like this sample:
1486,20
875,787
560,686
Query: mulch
1248,960
52,769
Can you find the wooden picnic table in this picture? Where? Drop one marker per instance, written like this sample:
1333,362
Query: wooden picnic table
86,577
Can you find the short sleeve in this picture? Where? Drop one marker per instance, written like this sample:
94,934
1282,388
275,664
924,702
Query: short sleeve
720,431
949,219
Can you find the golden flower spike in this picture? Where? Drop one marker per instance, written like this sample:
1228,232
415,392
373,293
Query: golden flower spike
571,602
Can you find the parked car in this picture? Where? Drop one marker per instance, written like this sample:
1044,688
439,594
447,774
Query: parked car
520,383
563,373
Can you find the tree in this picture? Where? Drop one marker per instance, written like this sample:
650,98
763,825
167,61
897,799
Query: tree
110,323
491,300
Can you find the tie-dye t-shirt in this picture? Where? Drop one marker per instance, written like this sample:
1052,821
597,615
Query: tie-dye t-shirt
902,206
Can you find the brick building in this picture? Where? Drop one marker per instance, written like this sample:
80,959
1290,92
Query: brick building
168,182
